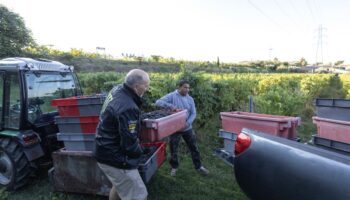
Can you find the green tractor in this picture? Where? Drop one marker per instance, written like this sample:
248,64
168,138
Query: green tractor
27,126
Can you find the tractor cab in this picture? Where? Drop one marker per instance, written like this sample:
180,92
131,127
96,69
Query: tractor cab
27,129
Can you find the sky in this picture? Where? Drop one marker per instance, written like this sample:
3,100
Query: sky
233,30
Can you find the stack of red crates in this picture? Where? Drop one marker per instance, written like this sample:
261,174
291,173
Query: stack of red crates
77,121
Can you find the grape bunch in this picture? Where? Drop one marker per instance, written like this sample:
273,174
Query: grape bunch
155,114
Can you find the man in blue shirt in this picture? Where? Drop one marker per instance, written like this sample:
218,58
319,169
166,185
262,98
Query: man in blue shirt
179,99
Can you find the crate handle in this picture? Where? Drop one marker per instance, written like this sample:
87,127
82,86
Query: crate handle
150,124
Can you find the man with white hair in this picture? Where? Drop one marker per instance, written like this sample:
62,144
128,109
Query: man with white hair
117,148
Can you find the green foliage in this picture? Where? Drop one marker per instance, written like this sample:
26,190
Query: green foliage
94,62
4,194
312,85
100,82
307,129
334,89
280,101
42,51
14,35
345,79
282,94
161,84
279,95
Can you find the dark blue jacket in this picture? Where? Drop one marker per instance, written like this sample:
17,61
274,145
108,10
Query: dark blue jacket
116,141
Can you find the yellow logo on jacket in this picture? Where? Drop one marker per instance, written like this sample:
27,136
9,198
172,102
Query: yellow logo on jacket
132,126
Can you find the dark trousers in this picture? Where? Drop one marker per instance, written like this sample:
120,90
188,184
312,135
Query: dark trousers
190,140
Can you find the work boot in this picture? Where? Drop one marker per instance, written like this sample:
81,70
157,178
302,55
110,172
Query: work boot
173,172
203,171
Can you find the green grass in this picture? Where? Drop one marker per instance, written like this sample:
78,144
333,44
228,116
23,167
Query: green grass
187,184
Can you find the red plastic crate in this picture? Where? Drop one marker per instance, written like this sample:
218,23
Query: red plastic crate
79,106
80,124
79,100
282,126
160,153
68,111
65,101
156,129
333,129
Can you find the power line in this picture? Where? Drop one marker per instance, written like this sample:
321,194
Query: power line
319,11
263,13
283,11
299,13
296,10
309,7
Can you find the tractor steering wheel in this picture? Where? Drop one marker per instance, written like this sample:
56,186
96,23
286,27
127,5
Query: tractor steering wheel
32,109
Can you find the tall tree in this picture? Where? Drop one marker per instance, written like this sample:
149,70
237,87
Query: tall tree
14,35
302,62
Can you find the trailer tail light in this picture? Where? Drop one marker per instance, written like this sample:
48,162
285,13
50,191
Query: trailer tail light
242,143
30,139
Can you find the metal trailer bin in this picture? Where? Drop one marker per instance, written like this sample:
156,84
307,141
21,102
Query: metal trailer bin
333,129
338,109
78,172
340,147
